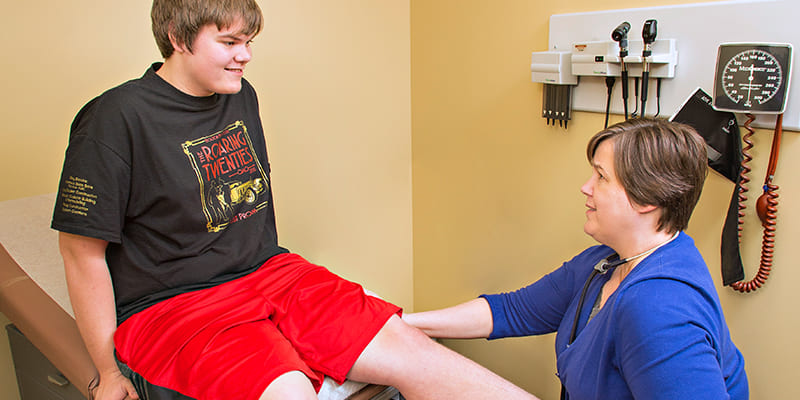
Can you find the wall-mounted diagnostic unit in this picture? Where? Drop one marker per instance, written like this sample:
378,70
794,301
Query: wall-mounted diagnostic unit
658,54
602,58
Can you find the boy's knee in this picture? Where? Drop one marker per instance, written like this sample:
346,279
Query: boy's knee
291,385
403,333
404,343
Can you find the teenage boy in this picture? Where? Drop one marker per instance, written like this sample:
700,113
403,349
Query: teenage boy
167,231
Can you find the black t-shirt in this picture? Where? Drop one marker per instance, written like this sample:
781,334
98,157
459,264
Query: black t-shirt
178,185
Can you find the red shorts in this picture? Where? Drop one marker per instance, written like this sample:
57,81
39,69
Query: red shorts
231,341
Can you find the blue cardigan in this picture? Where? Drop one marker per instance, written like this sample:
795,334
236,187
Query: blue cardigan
661,334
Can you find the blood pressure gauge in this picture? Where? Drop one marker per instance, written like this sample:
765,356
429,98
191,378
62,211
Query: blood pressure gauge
752,77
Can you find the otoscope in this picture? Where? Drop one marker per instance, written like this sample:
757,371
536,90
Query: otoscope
648,36
620,35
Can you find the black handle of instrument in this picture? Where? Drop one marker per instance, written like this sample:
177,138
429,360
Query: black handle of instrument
620,34
649,33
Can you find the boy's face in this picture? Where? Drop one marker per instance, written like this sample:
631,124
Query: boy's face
216,62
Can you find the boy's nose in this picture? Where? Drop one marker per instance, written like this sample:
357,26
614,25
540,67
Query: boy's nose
244,56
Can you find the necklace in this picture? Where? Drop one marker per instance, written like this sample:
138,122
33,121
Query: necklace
653,249
606,265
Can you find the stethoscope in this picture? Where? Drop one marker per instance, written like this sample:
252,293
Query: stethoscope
601,268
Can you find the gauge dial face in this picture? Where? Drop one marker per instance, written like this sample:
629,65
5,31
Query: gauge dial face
752,77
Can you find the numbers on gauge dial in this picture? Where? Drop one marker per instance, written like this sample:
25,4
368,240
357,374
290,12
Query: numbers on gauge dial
752,77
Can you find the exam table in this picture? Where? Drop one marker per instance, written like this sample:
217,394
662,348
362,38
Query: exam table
50,359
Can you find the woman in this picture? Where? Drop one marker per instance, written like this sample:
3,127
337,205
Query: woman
637,316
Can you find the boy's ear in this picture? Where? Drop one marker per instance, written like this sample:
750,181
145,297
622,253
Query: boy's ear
177,46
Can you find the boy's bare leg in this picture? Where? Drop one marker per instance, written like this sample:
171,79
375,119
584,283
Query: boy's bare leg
292,385
405,358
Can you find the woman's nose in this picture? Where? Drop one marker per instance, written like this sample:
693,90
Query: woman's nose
586,188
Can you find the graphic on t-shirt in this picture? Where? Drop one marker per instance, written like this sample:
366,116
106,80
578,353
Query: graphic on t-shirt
77,196
233,185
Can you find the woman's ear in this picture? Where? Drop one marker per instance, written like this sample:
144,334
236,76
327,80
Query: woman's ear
644,209
650,212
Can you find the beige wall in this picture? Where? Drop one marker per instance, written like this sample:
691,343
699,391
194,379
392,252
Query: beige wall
334,84
496,190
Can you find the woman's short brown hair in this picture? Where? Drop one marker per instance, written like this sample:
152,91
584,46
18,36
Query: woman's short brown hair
659,163
184,18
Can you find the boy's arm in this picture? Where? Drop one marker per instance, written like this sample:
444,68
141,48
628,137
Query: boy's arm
92,298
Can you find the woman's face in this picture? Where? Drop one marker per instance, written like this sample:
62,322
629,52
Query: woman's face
610,214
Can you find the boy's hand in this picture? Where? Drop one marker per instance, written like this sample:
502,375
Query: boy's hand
114,386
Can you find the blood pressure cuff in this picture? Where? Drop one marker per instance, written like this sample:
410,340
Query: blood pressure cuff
724,145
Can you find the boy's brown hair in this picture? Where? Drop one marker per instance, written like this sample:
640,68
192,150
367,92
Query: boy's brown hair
183,19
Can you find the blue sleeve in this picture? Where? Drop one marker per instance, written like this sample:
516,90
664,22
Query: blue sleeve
669,342
532,310
539,308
